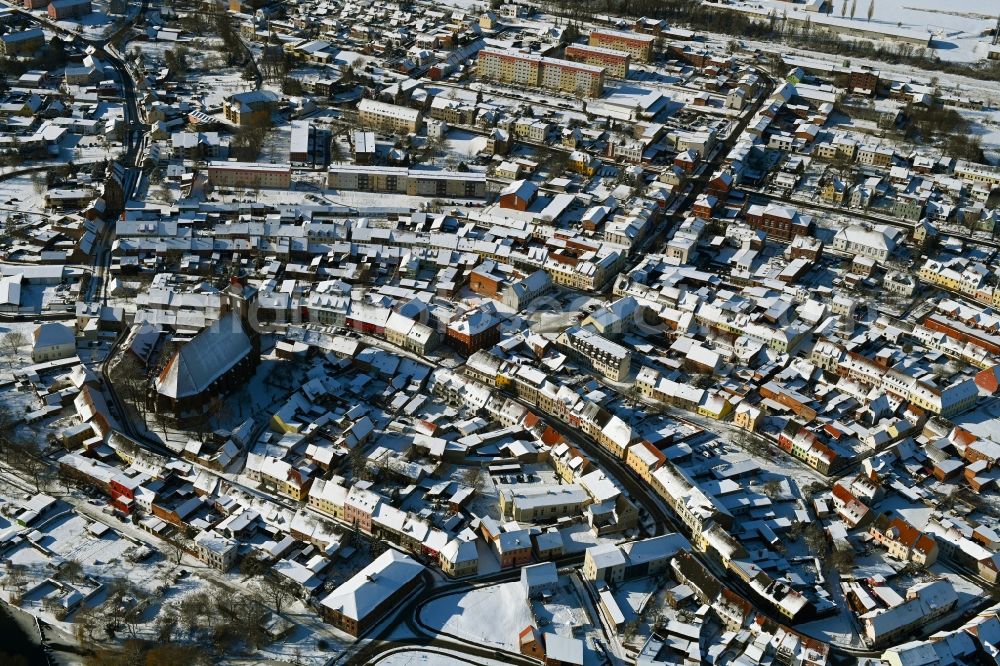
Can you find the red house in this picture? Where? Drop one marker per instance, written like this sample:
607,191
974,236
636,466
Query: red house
720,184
704,206
123,492
476,330
688,160
518,195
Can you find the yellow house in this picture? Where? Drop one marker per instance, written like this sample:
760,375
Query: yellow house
715,406
834,192
583,163
278,424
488,21
747,417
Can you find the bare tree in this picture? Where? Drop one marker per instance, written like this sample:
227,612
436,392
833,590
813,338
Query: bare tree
10,345
176,552
130,381
86,623
71,570
274,591
772,489
16,577
473,477
252,566
165,625
38,183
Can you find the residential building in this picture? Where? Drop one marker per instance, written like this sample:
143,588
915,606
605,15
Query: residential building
638,45
24,42
52,342
389,117
535,71
607,357
215,550
615,63
250,175
250,109
362,601
68,9
411,181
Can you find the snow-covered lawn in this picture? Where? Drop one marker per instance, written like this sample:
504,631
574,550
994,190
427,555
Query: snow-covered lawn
68,538
956,31
490,616
464,144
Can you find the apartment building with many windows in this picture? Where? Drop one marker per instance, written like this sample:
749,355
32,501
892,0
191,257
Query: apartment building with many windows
389,117
639,46
536,71
614,62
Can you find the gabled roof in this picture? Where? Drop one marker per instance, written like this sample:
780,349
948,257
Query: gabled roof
378,581
208,356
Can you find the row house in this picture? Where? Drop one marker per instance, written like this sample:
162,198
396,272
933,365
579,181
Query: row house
904,541
607,357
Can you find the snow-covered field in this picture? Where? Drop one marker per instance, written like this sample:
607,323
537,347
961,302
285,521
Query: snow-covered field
463,615
957,32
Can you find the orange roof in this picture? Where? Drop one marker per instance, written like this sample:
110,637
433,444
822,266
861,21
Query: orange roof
843,494
989,379
906,533
531,420
551,436
925,543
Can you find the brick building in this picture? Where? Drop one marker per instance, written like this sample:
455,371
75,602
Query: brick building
250,175
66,9
476,330
361,602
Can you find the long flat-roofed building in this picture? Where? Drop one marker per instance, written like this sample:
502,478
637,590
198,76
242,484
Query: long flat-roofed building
535,71
640,46
250,174
615,62
402,180
302,143
389,117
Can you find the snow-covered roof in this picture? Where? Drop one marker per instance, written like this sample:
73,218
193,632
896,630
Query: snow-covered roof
208,356
378,581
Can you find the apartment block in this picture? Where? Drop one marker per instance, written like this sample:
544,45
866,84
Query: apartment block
250,174
389,117
615,63
415,182
607,357
639,46
535,71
